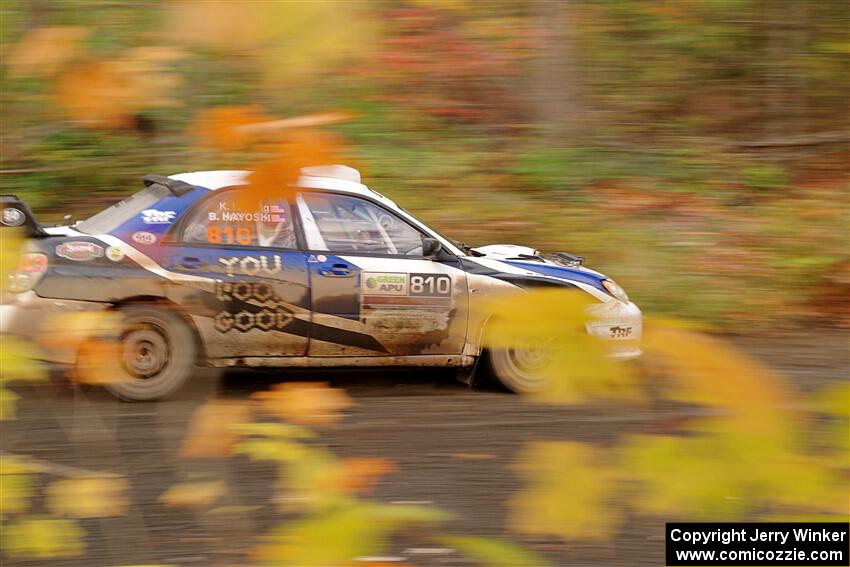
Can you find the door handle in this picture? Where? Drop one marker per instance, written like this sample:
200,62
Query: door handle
191,263
337,271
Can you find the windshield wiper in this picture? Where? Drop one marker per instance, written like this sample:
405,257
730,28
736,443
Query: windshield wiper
466,248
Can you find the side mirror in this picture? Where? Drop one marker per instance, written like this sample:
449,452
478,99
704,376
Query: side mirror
430,247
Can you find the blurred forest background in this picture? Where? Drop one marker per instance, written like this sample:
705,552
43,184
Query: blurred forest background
696,150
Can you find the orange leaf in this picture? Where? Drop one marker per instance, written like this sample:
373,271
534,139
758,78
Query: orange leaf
360,474
296,149
304,402
44,51
210,430
110,93
88,497
222,128
193,494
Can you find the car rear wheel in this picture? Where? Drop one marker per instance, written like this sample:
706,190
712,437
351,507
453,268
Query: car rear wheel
520,370
156,355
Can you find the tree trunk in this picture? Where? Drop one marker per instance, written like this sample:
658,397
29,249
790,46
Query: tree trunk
556,83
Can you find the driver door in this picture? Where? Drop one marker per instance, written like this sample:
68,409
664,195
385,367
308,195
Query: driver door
373,292
255,301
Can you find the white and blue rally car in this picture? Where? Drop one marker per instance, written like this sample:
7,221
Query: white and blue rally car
327,274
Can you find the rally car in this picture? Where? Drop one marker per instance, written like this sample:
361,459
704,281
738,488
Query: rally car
328,273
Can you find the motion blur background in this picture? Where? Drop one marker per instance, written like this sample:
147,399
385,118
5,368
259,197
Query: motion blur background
696,150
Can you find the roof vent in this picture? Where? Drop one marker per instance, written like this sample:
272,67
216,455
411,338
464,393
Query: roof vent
335,171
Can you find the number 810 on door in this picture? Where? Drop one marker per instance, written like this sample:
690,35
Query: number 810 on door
433,285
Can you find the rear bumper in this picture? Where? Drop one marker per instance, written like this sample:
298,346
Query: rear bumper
26,314
621,324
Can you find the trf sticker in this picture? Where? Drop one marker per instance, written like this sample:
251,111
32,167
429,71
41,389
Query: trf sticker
154,216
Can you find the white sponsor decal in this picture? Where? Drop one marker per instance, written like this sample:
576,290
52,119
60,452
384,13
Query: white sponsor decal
384,283
608,331
114,254
79,251
10,216
269,214
273,317
143,237
252,266
153,216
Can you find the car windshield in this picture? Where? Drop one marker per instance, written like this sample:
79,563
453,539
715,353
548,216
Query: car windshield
111,218
466,249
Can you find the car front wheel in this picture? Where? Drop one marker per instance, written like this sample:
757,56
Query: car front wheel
520,370
156,354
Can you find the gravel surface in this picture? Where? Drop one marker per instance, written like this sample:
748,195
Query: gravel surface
454,449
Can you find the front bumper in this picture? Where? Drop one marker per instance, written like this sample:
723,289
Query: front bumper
621,324
26,314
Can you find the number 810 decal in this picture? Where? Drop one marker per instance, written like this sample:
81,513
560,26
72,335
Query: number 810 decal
439,285
229,235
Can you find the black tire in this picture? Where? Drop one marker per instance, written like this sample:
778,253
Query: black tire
516,371
157,351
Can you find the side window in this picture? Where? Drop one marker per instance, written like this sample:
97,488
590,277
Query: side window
340,223
229,220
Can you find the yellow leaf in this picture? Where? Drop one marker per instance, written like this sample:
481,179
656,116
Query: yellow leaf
8,399
15,488
11,243
458,5
705,370
554,322
68,330
288,41
340,535
88,497
571,492
43,538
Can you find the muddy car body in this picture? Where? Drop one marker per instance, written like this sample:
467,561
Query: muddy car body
328,273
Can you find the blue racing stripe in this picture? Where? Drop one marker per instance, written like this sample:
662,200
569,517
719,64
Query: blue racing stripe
564,273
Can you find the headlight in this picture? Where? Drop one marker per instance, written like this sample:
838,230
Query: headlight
615,290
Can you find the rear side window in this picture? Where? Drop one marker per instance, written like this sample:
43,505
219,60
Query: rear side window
227,220
109,219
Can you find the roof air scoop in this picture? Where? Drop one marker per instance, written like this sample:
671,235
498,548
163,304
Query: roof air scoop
335,171
506,251
176,187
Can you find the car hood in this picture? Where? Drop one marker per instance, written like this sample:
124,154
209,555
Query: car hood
515,257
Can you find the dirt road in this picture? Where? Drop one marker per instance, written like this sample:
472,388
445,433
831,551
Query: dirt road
454,449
